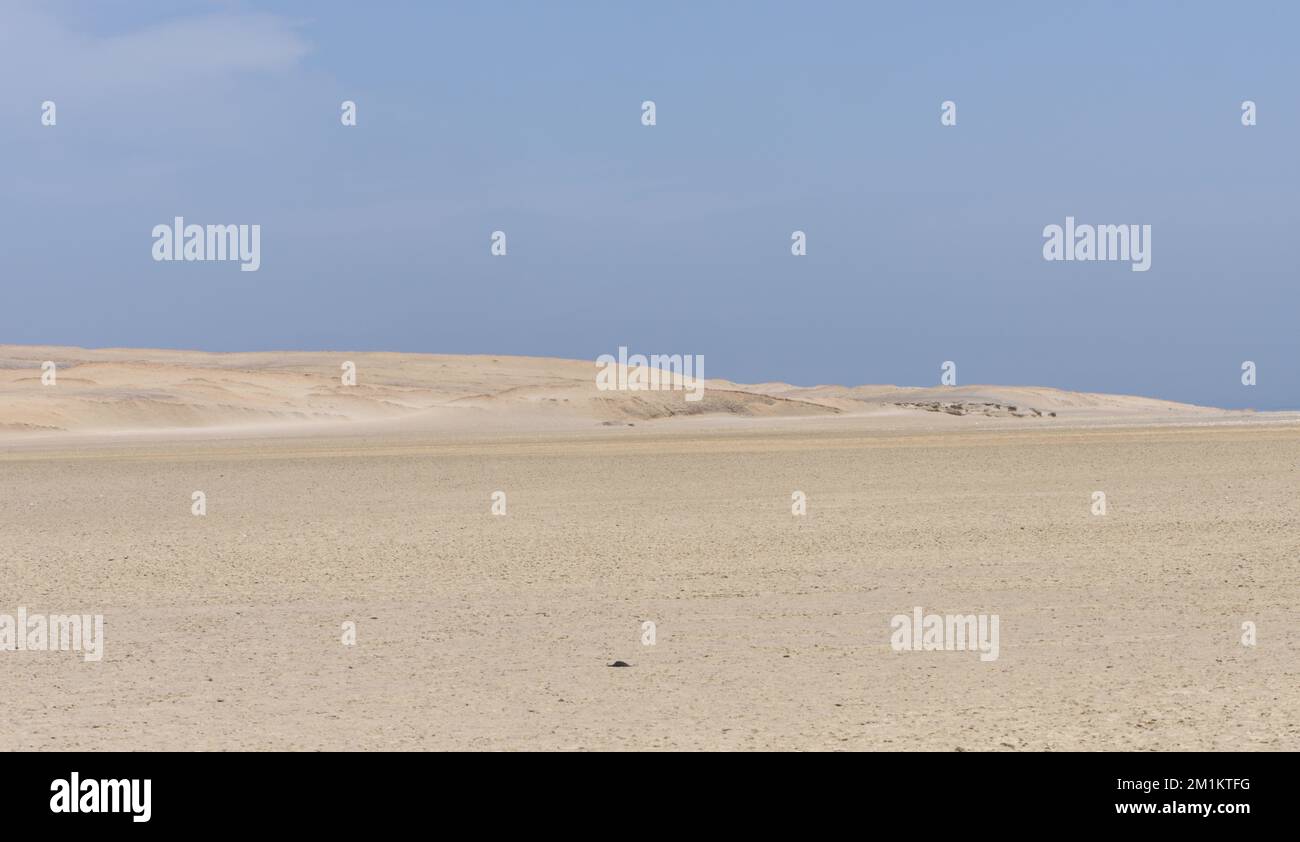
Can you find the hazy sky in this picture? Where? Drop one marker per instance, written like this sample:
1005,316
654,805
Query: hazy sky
924,241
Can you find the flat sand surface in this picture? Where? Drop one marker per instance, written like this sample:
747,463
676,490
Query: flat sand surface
477,631
372,504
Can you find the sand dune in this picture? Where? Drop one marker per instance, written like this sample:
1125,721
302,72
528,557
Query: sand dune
121,391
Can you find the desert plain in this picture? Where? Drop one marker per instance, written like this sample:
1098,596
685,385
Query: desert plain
372,504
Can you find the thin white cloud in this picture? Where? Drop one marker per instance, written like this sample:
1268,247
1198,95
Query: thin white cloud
39,51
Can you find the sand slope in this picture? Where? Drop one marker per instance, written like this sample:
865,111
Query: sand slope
114,391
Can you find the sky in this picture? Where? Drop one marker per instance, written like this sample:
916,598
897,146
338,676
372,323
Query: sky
924,241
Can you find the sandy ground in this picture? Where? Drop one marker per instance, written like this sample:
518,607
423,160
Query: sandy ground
481,631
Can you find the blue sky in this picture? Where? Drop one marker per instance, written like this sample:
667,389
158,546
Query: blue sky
924,241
